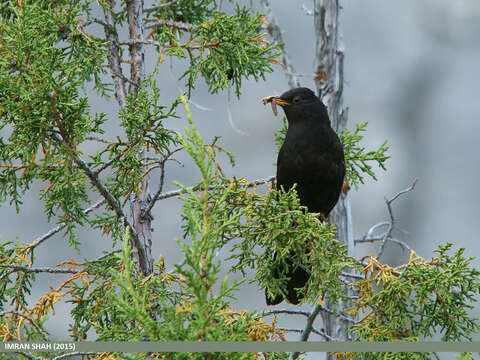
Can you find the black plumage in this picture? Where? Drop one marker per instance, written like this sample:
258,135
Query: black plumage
311,157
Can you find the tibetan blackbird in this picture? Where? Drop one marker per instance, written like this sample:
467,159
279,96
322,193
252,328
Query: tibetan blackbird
311,157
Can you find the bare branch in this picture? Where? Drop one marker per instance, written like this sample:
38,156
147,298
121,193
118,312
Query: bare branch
101,257
401,243
170,23
131,42
162,180
95,21
37,270
308,329
59,228
286,311
315,331
28,355
177,192
375,227
261,181
411,188
388,233
276,33
78,353
123,77
158,7
346,318
97,138
352,275
306,313
114,58
194,46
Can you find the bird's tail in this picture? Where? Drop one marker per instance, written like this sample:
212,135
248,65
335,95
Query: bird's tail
298,277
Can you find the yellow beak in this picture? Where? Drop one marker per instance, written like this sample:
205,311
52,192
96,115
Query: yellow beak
276,100
280,102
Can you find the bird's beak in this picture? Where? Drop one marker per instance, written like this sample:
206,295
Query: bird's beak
280,101
275,99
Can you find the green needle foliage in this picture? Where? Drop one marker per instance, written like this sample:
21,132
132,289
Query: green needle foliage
416,301
359,160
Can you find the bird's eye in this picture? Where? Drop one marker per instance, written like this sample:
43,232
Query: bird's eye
296,99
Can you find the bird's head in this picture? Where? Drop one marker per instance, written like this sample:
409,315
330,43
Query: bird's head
296,96
296,101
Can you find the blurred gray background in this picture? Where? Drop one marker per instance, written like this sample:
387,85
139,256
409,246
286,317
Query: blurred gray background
411,71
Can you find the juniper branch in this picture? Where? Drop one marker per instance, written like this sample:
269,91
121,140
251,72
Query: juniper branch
59,228
110,199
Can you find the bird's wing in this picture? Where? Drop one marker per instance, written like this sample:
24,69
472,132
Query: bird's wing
286,169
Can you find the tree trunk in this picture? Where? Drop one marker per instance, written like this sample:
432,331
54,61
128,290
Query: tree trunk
329,58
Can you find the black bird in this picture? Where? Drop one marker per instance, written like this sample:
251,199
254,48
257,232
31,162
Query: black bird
311,157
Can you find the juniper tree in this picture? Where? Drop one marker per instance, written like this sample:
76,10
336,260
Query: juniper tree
48,56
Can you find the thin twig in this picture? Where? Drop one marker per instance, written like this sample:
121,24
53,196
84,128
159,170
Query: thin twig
346,318
100,258
95,21
28,355
316,331
308,329
388,233
401,243
124,78
77,353
115,158
59,228
287,311
131,42
177,192
155,197
37,270
158,7
375,227
276,33
170,23
352,275
98,139
411,188
306,313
